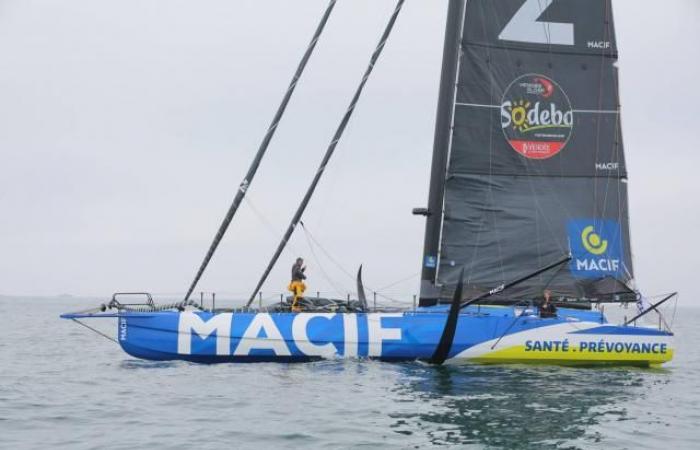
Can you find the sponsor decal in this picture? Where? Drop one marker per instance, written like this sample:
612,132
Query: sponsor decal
602,45
191,324
430,262
244,186
536,116
596,248
607,166
122,329
259,334
600,346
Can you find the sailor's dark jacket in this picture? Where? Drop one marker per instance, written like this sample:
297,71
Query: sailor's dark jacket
298,273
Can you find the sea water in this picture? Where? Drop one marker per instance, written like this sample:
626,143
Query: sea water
62,386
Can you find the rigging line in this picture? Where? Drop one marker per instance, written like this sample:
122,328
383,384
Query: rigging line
515,320
400,281
482,222
554,275
386,297
325,275
268,224
308,234
245,184
489,195
548,34
390,299
312,239
580,111
658,313
618,155
96,331
432,236
675,308
330,150
615,150
490,186
606,32
504,286
650,308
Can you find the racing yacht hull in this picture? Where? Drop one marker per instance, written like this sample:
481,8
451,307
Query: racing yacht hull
493,335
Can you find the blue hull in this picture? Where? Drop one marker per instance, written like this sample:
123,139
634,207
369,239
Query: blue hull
486,335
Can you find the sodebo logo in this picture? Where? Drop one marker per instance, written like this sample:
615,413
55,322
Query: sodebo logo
536,116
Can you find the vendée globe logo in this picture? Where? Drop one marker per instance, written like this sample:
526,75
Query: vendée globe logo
536,116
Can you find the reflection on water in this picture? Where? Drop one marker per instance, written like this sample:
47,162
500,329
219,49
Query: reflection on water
506,406
134,364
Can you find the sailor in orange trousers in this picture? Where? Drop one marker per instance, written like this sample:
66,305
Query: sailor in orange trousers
297,286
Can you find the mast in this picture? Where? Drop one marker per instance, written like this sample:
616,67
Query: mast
329,151
429,293
245,184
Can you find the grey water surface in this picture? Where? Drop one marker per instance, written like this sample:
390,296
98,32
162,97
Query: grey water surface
62,386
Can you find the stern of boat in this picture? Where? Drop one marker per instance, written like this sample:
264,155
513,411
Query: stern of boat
571,342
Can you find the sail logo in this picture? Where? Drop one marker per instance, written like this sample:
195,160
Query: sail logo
607,166
536,116
596,248
592,241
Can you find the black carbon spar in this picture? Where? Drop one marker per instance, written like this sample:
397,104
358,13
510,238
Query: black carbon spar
429,293
245,184
444,346
329,151
651,308
442,351
510,284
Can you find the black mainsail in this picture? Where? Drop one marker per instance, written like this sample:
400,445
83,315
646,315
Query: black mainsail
530,165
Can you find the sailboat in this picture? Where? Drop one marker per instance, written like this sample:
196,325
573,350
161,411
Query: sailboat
527,197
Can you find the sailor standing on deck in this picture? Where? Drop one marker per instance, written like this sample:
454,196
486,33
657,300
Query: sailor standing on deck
297,286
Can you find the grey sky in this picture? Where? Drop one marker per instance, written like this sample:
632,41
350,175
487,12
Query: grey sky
125,127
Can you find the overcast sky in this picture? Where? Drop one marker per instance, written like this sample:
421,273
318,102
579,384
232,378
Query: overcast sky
126,126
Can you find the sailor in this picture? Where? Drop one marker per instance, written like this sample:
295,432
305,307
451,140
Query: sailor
297,286
547,309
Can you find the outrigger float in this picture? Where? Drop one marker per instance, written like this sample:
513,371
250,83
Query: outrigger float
528,167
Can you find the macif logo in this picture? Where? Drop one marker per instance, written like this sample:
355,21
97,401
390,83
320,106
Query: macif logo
592,241
596,247
122,329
